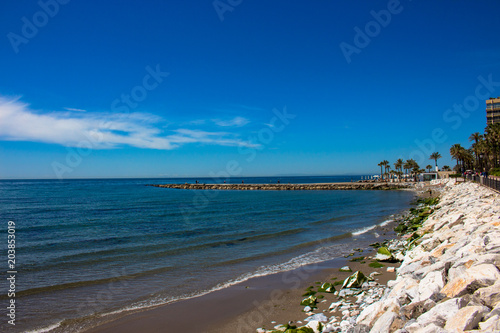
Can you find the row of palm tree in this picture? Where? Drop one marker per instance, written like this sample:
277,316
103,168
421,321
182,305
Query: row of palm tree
483,154
410,167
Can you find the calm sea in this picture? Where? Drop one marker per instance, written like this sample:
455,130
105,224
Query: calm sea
89,248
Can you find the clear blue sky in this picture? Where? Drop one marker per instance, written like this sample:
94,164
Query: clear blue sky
183,88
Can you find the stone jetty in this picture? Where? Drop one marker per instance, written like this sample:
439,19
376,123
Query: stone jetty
289,187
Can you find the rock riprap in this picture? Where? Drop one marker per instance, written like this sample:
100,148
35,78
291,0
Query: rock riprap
448,281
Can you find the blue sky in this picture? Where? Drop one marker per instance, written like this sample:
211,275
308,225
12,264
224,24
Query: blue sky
175,88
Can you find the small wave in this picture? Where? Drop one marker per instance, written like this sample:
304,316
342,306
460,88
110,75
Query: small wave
365,230
386,222
45,329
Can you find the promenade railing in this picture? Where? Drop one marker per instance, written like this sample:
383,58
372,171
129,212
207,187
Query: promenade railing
491,181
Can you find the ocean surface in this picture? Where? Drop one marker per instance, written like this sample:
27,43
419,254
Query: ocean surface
86,249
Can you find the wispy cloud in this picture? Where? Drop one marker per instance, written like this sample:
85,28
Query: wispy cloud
235,122
183,136
104,130
76,110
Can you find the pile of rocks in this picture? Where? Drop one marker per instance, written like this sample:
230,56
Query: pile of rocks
450,282
289,187
341,315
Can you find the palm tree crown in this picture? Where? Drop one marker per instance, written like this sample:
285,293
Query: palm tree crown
435,156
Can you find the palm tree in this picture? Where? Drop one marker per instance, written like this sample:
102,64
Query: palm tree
492,138
386,166
398,165
446,168
412,165
468,158
456,154
435,156
381,164
477,138
428,167
407,166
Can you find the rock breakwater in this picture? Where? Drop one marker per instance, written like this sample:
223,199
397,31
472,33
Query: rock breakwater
288,187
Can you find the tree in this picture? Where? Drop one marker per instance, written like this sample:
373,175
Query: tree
446,168
398,165
407,166
428,167
386,166
456,152
492,138
381,164
414,167
476,147
435,156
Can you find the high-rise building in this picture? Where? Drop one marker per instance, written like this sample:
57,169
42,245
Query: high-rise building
493,110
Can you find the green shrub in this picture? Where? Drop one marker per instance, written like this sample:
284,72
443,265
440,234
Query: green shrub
494,172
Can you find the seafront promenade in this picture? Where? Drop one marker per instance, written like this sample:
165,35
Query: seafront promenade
289,187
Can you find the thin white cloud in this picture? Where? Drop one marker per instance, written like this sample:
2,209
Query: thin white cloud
102,130
76,110
217,138
235,122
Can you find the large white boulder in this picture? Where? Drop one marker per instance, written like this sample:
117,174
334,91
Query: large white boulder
466,318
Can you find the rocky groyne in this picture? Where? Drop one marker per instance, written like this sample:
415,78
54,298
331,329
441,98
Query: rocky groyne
289,187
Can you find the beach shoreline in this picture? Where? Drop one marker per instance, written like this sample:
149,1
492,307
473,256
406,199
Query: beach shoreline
243,307
256,302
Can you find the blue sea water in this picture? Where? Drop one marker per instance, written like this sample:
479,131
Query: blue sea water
87,248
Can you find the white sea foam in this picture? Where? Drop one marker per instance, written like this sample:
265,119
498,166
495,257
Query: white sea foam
365,230
386,222
45,329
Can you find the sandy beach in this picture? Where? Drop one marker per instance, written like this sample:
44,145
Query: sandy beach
258,302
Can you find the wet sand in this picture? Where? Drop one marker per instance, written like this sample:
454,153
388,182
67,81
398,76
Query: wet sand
284,306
